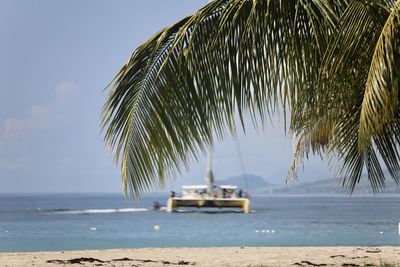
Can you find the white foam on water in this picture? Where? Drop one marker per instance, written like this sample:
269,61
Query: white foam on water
94,211
132,209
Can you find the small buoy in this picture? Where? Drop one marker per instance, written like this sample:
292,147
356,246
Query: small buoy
262,231
156,227
267,230
93,229
381,232
257,231
6,231
273,231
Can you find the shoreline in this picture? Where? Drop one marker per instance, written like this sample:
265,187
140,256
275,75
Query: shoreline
210,256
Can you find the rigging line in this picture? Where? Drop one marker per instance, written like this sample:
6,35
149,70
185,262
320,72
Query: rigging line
246,185
172,185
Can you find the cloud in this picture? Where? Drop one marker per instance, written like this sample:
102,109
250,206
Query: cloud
66,88
14,164
8,165
40,117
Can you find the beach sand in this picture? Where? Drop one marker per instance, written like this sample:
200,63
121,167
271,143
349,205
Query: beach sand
230,256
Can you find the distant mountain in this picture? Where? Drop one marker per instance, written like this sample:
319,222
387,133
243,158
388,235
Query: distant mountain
332,186
253,181
306,175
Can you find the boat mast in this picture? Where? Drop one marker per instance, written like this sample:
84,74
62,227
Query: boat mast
209,174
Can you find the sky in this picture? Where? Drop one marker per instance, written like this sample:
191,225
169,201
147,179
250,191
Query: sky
56,59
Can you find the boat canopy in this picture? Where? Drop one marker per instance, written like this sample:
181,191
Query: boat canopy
231,187
194,187
202,187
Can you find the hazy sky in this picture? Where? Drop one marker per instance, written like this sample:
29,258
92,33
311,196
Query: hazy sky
56,58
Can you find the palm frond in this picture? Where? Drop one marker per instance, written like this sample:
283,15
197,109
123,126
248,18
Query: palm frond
381,97
189,80
310,138
362,143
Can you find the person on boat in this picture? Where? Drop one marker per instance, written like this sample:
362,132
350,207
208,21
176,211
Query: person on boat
172,194
202,193
156,205
224,193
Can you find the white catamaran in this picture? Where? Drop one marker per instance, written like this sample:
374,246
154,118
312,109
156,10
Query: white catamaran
209,195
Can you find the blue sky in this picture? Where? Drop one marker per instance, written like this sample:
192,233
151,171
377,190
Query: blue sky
56,58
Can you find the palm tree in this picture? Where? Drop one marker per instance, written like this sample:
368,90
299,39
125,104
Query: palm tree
332,65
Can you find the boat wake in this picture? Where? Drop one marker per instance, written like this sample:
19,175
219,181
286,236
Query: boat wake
97,211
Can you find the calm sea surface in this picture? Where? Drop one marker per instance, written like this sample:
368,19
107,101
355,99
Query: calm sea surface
65,222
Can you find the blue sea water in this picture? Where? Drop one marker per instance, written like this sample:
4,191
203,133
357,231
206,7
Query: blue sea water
64,222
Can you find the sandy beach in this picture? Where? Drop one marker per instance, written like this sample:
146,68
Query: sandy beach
228,256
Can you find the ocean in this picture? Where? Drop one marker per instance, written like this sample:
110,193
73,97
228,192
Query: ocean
51,222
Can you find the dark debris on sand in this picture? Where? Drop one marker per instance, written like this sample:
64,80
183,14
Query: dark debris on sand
83,260
76,261
308,263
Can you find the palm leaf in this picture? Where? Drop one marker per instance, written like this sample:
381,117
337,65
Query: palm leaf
185,84
362,143
381,96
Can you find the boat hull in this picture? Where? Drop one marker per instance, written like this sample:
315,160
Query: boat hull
175,202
